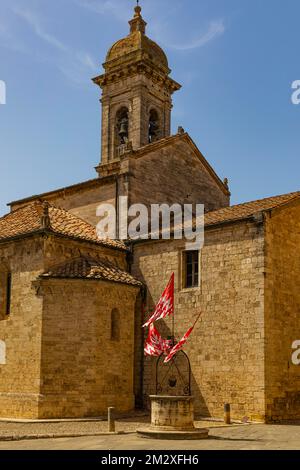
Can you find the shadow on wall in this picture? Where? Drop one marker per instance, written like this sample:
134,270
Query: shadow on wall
145,366
165,377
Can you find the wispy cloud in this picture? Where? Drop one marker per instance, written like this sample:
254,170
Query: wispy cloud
87,60
119,11
73,64
34,21
116,8
215,29
9,41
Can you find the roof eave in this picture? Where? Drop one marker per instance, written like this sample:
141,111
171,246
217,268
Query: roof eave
66,189
60,235
43,278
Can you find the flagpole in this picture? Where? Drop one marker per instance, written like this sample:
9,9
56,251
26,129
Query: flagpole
181,343
173,328
173,321
197,319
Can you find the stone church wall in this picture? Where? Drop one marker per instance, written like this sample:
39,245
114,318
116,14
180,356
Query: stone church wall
227,347
46,334
82,202
173,174
21,331
57,250
83,369
84,205
282,307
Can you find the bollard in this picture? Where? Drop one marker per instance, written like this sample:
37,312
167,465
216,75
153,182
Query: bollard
111,420
227,419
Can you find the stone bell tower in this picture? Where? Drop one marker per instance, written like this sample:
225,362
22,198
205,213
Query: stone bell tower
136,95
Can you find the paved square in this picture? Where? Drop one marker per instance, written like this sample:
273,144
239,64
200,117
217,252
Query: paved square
252,437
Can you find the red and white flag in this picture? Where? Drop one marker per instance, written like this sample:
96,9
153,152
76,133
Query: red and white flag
181,343
165,306
178,346
155,345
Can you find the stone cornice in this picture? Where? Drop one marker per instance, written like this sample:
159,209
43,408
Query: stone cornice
141,67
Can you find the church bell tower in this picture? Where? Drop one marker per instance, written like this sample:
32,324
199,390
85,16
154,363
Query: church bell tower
136,95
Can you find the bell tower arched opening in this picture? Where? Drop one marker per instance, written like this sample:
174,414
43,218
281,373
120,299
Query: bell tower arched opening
121,130
154,126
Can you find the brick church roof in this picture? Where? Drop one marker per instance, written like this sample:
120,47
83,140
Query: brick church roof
91,269
40,216
248,209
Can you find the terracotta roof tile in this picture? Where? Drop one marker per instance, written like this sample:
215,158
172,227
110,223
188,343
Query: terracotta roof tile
39,215
88,268
248,209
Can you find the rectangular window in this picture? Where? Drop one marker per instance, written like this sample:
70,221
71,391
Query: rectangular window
8,294
5,294
191,269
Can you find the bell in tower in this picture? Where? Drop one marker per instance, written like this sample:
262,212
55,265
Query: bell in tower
153,126
123,132
122,126
136,93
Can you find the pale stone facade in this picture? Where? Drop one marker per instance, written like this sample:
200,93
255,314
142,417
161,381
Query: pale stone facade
282,312
72,306
227,348
84,370
58,335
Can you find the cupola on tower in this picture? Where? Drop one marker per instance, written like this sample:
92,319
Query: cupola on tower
136,94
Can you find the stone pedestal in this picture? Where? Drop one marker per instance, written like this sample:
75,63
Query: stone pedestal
173,418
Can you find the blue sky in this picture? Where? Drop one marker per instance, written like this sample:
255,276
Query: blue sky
236,60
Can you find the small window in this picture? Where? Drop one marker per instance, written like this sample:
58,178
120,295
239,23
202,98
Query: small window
5,294
115,325
8,293
191,269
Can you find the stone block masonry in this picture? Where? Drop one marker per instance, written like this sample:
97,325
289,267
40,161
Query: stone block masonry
227,347
282,307
58,336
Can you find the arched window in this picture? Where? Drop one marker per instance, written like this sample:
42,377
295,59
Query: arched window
153,126
115,325
122,126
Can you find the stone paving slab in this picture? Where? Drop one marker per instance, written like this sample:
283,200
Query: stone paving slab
252,437
15,430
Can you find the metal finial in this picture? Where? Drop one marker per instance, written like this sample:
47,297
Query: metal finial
137,9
